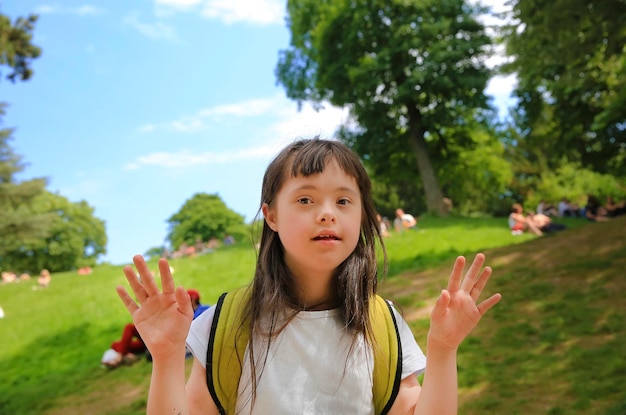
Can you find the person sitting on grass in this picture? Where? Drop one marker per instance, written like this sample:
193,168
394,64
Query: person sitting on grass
404,221
126,349
518,223
44,278
594,211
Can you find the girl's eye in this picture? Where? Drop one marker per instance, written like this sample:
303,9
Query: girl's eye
343,201
304,200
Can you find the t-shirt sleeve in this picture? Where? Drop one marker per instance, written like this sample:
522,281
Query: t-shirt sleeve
413,359
198,337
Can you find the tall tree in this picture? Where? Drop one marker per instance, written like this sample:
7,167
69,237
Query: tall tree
203,217
570,58
411,72
19,221
16,49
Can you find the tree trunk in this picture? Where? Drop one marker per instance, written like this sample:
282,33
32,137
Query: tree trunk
434,196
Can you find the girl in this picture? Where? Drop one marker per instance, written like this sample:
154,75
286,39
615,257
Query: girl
311,342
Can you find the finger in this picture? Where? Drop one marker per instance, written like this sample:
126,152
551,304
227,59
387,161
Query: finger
135,283
454,282
127,300
480,283
441,305
167,282
470,276
484,306
184,301
147,279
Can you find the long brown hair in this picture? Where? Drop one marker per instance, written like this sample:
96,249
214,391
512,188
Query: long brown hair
273,302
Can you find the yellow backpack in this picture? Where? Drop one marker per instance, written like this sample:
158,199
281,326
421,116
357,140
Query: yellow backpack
226,349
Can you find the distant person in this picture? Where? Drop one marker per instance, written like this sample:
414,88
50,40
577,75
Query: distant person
594,211
614,208
384,230
125,350
198,308
8,277
545,223
44,278
85,271
567,209
404,221
545,208
518,223
229,240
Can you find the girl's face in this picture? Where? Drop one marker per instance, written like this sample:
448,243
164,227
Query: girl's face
318,220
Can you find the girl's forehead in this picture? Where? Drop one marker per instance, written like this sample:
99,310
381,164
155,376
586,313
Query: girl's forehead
332,175
331,167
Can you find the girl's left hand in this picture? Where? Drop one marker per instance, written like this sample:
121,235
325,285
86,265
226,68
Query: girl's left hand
457,310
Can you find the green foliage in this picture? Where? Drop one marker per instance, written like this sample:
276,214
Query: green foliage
19,219
16,49
575,183
412,73
154,252
205,217
75,238
571,63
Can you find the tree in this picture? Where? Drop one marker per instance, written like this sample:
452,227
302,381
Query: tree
75,239
411,72
204,216
19,221
16,49
569,56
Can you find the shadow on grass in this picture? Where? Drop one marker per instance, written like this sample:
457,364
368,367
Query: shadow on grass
51,368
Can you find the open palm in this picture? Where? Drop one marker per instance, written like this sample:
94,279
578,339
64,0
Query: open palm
162,318
457,310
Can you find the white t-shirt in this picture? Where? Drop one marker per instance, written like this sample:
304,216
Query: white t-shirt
308,370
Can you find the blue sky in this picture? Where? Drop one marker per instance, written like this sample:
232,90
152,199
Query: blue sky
135,106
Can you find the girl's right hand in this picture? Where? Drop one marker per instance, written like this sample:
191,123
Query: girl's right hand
162,318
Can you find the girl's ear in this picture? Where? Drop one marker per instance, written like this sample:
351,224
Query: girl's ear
270,216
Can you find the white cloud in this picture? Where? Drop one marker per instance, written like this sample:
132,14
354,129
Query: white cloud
264,12
178,3
308,123
247,108
289,121
285,124
85,10
46,9
157,30
186,158
260,12
146,128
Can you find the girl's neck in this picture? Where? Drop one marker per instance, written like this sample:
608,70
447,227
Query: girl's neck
315,294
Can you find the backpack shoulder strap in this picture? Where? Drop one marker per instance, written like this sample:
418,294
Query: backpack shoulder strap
227,343
387,355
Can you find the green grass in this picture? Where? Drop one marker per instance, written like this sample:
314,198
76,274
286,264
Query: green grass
556,344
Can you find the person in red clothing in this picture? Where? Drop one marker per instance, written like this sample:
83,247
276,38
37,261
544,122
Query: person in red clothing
125,350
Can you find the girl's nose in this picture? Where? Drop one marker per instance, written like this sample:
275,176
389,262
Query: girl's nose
327,215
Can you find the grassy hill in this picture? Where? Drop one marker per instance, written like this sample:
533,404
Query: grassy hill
556,344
